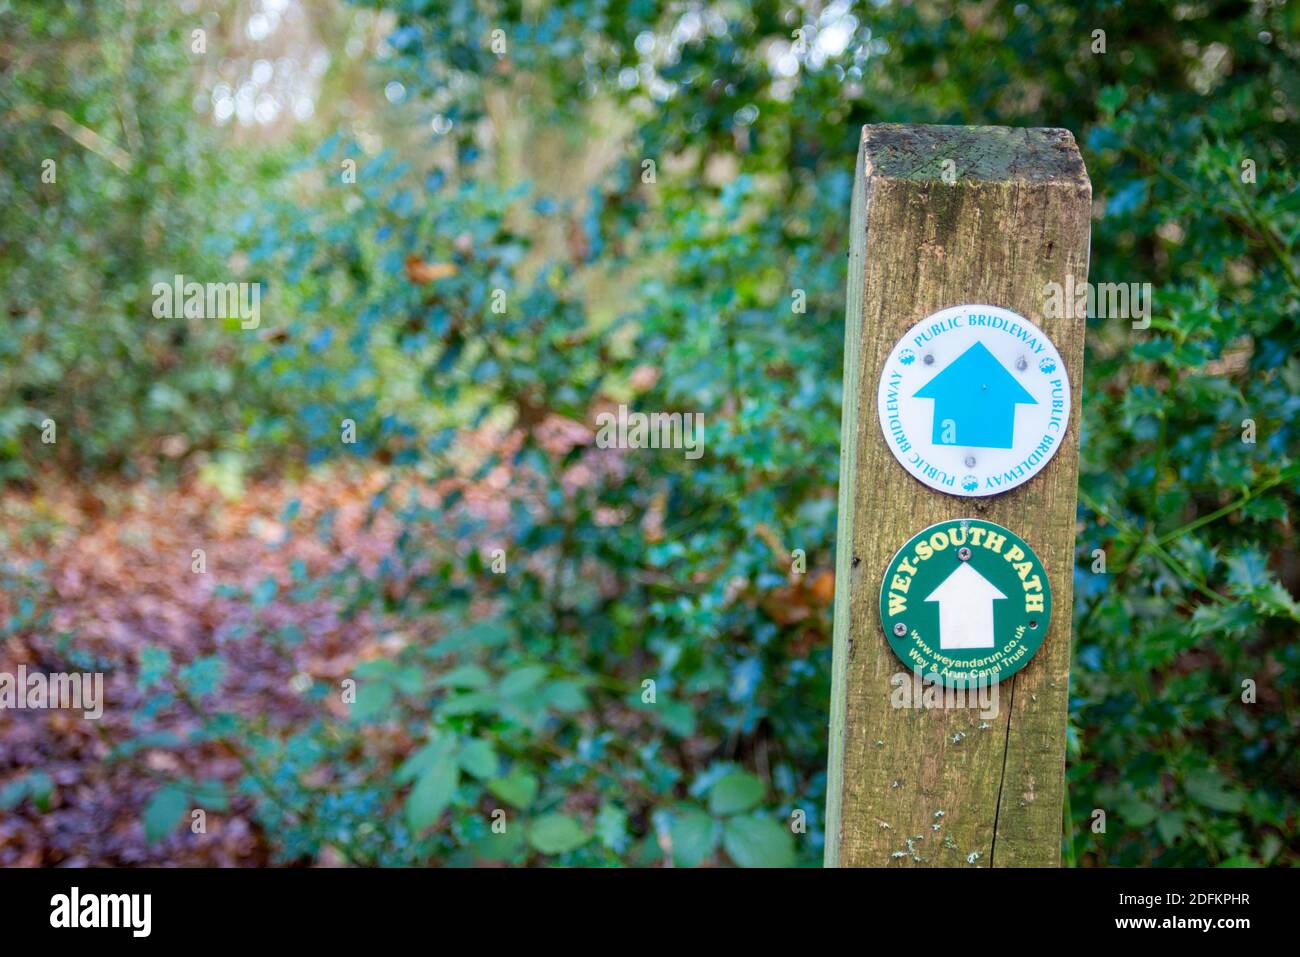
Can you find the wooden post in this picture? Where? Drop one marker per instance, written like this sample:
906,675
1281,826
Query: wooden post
945,216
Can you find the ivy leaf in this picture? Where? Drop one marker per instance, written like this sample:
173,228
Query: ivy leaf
37,785
556,834
486,634
735,792
753,841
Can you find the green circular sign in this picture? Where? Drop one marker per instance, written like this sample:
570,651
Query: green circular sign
967,602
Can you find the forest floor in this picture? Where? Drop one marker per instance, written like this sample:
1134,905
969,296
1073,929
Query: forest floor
116,569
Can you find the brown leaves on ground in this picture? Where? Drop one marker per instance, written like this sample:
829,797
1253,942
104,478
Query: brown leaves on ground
118,577
113,566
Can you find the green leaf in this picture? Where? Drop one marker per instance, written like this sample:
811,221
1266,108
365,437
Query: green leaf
1208,787
753,841
39,788
521,680
1169,826
473,702
1111,98
677,716
485,634
1137,813
438,748
735,792
210,795
264,592
556,834
431,794
611,827
498,847
164,811
374,701
565,695
1248,569
464,676
37,785
202,676
478,758
518,788
694,835
154,665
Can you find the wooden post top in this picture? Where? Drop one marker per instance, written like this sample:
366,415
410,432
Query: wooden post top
990,154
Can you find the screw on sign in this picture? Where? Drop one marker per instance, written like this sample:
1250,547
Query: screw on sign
965,601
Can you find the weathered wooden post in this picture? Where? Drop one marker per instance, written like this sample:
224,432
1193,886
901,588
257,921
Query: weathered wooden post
962,369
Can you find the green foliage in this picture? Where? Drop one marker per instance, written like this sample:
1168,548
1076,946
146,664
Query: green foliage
647,682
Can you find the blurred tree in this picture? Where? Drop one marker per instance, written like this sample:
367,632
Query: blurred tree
108,184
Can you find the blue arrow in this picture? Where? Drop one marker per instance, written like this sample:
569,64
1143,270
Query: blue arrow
979,396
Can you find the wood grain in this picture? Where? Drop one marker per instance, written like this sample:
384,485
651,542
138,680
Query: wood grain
1016,218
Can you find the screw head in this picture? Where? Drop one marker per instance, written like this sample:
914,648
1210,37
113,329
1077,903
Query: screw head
963,553
929,359
1022,363
970,461
900,629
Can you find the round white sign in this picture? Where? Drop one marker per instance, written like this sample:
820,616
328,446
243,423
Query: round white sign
974,400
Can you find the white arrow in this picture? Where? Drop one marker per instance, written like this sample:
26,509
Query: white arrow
965,609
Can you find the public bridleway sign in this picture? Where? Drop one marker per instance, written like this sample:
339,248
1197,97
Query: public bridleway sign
974,400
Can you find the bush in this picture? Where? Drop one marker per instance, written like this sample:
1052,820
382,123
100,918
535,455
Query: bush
645,671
